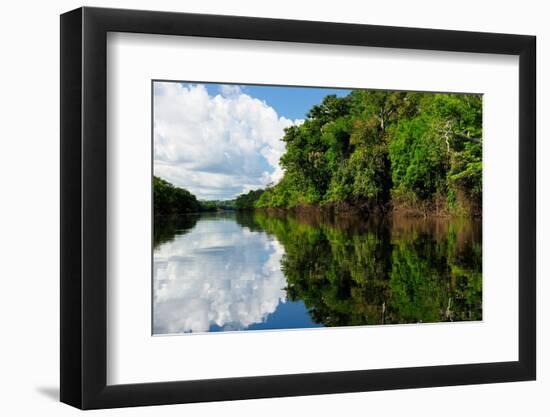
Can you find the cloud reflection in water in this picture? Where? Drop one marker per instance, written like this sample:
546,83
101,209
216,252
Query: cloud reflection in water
220,274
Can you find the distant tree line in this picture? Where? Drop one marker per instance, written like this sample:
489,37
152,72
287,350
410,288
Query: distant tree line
214,205
377,151
171,200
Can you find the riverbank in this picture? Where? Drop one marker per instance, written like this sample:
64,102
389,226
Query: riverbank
434,210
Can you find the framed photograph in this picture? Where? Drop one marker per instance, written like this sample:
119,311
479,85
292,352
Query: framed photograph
257,208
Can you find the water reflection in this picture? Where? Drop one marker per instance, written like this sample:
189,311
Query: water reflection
217,274
237,271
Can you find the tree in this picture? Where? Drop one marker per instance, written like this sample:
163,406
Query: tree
248,200
169,199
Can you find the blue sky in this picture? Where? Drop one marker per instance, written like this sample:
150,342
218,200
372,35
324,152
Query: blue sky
291,102
222,140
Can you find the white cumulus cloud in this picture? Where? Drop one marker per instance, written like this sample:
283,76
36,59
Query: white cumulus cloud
230,90
216,146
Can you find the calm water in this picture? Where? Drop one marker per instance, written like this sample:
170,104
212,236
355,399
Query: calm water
254,271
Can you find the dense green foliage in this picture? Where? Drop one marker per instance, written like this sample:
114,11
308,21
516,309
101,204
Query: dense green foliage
171,200
374,150
348,272
248,200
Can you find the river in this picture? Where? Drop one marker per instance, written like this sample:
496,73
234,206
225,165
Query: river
262,271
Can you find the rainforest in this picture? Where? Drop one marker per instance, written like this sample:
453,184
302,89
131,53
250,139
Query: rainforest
375,151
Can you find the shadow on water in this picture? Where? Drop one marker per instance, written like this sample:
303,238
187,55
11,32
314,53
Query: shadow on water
348,271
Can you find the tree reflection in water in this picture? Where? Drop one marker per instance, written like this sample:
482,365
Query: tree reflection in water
351,272
166,228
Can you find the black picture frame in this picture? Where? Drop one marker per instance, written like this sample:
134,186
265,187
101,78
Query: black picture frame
84,207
